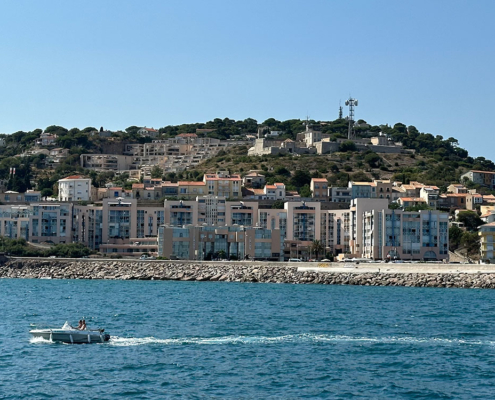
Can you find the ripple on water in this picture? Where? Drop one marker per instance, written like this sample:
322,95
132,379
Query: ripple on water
178,339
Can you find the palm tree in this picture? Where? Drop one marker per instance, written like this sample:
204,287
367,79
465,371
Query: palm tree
317,248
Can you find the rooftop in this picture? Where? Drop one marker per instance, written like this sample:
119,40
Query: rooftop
73,177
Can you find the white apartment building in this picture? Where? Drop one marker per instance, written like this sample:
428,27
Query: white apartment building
74,188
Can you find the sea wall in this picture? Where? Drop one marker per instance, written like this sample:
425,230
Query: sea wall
234,272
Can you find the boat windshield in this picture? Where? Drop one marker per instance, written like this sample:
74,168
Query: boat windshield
67,326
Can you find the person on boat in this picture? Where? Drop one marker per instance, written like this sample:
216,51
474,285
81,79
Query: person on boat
83,325
80,324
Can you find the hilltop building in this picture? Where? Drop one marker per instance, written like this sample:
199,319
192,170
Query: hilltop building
483,178
74,188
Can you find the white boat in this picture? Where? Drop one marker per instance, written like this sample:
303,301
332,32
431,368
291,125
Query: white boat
69,334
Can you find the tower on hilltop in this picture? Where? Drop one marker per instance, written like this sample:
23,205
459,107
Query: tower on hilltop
351,103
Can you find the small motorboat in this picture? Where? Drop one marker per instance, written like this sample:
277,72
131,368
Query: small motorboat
69,334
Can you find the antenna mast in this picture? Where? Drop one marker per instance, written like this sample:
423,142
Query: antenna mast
351,103
340,111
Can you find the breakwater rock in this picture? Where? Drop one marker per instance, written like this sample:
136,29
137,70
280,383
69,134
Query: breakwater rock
233,272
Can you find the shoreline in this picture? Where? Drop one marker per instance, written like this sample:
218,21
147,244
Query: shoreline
408,275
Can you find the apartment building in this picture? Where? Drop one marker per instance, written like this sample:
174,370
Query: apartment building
50,222
487,242
29,196
14,221
107,162
380,233
74,188
254,180
207,242
430,195
274,192
483,178
452,200
224,185
191,190
340,194
383,189
118,226
457,188
473,200
319,188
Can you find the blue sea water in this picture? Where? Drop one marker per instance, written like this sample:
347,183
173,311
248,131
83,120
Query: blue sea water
239,340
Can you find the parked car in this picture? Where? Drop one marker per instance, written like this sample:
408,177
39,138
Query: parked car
294,260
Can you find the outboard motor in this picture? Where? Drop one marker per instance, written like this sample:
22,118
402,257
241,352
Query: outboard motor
106,337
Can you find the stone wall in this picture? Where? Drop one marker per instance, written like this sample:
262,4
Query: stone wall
233,272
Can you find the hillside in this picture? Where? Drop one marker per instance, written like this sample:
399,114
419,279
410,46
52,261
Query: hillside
436,161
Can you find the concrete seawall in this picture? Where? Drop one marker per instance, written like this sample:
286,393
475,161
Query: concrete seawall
420,275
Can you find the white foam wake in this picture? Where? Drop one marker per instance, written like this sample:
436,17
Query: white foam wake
300,338
39,340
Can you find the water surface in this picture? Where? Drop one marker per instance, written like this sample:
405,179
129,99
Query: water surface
232,340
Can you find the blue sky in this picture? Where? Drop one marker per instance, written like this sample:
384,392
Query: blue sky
154,63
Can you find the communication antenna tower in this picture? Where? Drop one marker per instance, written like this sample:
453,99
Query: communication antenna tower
307,123
341,114
351,103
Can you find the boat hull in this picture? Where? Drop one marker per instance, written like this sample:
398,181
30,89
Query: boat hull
72,336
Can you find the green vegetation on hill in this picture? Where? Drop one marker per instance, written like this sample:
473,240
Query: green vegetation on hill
436,160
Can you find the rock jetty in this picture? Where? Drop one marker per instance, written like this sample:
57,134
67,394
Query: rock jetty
233,272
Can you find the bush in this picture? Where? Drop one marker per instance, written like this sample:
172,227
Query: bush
348,145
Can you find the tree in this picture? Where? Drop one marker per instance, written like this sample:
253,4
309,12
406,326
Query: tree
348,145
132,130
393,206
156,172
222,254
470,219
470,242
455,237
47,192
282,171
301,178
305,191
372,159
278,204
317,248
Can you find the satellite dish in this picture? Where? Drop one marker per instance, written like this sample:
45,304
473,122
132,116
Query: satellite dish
347,102
356,102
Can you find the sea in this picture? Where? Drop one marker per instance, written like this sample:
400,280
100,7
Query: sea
201,340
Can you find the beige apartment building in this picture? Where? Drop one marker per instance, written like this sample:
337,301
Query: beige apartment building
319,188
224,185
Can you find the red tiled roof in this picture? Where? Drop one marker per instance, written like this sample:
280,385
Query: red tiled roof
186,135
138,185
74,177
319,180
483,172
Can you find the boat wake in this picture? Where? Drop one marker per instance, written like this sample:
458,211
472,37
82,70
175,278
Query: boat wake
300,338
39,340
